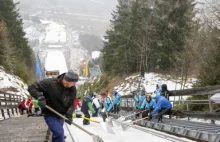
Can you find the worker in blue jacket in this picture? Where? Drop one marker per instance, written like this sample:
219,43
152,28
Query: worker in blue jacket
108,105
137,100
142,96
158,89
148,104
137,103
163,106
117,101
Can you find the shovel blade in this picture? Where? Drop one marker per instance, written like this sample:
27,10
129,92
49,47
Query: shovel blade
106,127
109,121
121,118
117,123
125,126
97,139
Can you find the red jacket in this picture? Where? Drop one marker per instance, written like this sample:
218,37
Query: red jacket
21,104
29,103
76,103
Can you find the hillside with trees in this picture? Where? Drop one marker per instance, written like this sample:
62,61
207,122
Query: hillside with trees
15,54
164,36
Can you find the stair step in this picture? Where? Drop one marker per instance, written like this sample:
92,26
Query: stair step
23,129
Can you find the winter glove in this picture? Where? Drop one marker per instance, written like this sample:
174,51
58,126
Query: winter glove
69,121
149,117
41,102
69,112
78,115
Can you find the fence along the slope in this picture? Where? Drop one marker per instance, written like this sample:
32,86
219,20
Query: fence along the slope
8,105
127,102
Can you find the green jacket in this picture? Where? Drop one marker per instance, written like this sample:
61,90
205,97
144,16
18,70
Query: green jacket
35,103
89,104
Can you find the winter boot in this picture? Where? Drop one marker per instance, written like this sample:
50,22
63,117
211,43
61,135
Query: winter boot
86,122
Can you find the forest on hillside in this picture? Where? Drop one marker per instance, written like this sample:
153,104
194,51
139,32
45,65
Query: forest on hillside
164,36
15,54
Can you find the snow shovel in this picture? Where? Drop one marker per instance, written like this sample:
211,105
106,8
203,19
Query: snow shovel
104,125
109,121
122,118
95,137
125,126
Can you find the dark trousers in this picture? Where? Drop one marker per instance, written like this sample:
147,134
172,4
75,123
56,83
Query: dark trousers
136,111
36,109
148,111
104,116
55,125
96,112
87,115
160,114
22,110
116,108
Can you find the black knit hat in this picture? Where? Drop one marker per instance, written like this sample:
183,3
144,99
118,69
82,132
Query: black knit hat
71,76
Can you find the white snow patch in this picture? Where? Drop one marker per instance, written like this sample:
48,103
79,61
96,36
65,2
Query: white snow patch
216,98
8,81
149,82
95,54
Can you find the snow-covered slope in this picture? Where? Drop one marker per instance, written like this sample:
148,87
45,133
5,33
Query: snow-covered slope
131,135
149,82
12,84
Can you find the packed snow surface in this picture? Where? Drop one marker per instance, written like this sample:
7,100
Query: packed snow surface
130,135
55,60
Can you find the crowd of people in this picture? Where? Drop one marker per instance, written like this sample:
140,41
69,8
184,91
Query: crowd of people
153,106
27,105
60,94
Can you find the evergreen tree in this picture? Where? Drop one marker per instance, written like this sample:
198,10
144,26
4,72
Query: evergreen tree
18,56
114,59
147,34
209,73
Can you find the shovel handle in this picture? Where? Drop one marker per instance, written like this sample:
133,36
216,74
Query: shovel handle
139,119
136,113
60,115
90,119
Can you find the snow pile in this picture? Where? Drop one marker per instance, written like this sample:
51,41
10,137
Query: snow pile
149,82
55,60
95,54
216,98
12,84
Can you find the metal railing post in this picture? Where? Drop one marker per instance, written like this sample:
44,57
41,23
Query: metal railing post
187,108
211,108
